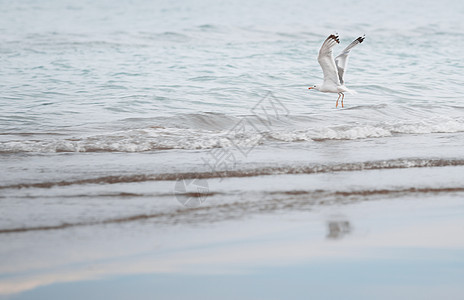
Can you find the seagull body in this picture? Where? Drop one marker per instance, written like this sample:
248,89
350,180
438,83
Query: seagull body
334,69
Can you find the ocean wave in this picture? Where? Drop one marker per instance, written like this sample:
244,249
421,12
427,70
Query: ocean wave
252,172
216,131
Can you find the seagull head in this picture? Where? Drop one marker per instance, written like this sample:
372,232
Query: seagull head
314,87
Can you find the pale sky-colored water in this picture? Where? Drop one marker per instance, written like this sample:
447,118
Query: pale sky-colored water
104,105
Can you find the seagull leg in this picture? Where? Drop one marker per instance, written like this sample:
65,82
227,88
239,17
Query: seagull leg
336,105
343,97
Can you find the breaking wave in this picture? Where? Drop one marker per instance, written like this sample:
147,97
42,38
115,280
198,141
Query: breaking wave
218,131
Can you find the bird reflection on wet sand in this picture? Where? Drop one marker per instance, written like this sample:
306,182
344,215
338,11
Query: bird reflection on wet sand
338,229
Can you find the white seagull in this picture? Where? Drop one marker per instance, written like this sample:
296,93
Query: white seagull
334,70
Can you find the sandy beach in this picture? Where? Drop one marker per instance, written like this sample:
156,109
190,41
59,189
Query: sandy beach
379,233
380,246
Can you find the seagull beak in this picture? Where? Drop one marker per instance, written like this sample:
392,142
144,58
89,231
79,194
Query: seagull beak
309,88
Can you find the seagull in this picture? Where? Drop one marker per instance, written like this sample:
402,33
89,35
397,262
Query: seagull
334,70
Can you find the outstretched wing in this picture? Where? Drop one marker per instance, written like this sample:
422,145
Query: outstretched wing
342,59
327,62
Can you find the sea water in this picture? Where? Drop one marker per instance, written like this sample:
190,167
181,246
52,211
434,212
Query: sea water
180,112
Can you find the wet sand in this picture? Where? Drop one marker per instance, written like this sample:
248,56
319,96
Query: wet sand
357,235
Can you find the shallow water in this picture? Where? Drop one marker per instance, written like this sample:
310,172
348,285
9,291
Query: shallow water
135,125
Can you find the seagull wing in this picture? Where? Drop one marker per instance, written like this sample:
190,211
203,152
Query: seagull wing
342,59
327,62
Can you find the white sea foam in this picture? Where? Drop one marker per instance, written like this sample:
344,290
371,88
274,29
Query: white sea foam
152,139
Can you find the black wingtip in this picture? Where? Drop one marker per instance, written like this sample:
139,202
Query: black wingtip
361,38
334,37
